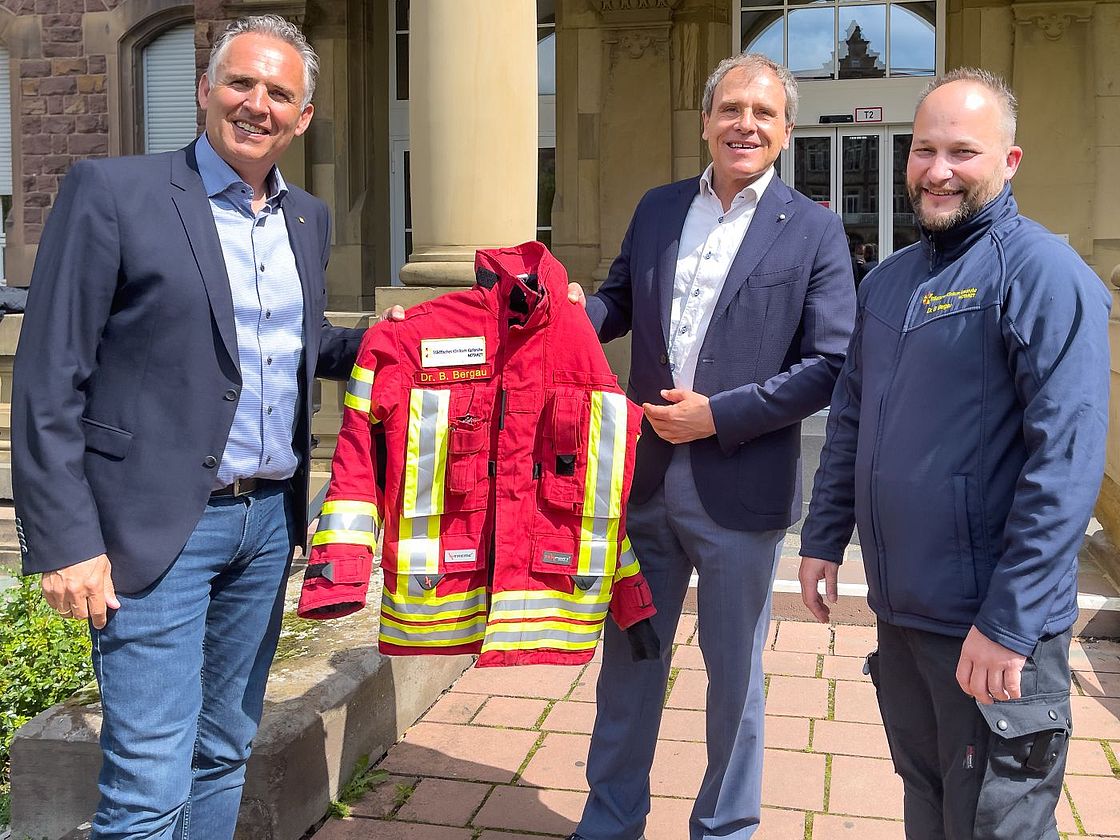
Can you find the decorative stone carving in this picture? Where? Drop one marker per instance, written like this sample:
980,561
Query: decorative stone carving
1052,19
604,6
633,44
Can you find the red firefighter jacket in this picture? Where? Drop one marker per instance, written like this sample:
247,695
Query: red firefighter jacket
487,436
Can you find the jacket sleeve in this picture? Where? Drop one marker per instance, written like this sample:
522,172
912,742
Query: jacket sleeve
828,528
338,570
752,410
68,307
1055,328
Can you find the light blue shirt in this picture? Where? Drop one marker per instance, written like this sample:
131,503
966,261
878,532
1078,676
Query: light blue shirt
268,314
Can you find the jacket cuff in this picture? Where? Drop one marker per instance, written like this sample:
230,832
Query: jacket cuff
334,588
631,601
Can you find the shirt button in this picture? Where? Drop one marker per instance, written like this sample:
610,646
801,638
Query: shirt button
708,255
262,267
209,462
270,409
684,330
720,219
696,293
1001,725
230,395
268,459
268,361
268,313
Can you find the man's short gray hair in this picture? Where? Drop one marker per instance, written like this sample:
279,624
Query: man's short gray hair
753,63
276,27
1008,104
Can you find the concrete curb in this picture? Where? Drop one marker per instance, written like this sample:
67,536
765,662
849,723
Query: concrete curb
332,699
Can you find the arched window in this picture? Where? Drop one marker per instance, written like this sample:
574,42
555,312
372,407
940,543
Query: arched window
168,108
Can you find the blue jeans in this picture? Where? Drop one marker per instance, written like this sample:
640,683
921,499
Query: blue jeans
182,667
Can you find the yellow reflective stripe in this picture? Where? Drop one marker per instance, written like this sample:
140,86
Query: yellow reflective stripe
531,635
503,600
329,537
602,492
412,627
350,515
627,564
426,452
418,545
359,390
437,635
434,608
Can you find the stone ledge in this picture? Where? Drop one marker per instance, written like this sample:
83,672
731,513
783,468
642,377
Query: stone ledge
332,698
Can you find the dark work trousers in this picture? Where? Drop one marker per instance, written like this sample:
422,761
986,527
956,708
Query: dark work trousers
973,772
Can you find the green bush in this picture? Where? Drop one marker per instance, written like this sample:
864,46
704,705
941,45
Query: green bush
43,659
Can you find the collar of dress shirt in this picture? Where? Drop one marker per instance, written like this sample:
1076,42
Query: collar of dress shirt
755,189
218,176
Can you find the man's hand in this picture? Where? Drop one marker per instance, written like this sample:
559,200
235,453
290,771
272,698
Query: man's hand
812,571
987,670
84,590
689,417
577,295
393,313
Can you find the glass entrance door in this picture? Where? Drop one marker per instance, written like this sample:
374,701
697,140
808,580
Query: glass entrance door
860,174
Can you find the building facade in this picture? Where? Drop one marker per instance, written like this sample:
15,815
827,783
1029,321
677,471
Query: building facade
591,103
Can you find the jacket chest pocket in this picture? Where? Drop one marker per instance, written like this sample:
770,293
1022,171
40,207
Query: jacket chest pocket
584,464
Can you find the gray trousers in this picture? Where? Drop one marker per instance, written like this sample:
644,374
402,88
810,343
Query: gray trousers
672,534
972,772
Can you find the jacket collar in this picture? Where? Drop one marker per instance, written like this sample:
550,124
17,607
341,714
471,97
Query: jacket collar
525,273
947,245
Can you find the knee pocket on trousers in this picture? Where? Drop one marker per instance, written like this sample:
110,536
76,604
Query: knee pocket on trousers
1029,735
1026,761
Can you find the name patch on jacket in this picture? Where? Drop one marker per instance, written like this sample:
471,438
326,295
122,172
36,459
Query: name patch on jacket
459,374
936,302
453,352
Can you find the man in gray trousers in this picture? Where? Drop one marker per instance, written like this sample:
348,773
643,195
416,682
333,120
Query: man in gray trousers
739,296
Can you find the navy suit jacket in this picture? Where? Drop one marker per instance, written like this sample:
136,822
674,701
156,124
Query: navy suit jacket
770,357
126,377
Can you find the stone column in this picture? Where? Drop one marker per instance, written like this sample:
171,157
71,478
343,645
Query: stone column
473,133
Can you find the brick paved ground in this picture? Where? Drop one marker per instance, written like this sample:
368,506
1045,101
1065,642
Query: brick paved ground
500,756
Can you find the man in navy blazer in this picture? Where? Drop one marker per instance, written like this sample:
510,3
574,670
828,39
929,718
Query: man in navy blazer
160,419
739,296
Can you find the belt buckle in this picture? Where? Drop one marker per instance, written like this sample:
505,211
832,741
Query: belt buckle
242,486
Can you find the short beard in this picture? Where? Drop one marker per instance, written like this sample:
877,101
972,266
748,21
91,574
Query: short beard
971,204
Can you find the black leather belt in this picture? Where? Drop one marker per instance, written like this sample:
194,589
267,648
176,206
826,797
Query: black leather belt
244,486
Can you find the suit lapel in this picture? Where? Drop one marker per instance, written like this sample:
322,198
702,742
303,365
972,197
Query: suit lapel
774,211
672,225
193,206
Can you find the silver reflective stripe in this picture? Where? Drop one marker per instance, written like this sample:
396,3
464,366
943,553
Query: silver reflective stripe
431,457
418,554
601,502
520,606
359,389
496,637
347,522
471,604
458,634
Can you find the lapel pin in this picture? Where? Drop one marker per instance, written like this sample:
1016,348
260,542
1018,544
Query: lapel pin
301,219
781,217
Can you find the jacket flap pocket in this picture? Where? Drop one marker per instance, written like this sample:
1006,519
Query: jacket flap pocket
585,378
775,278
106,439
1028,715
566,416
